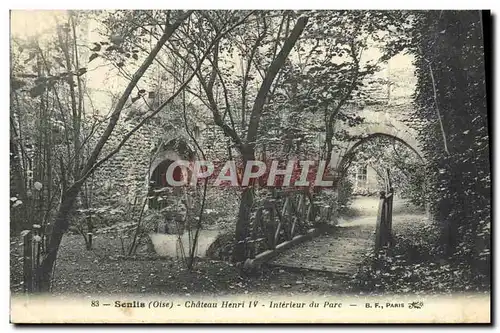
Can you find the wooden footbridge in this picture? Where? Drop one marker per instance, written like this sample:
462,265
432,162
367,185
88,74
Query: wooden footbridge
301,235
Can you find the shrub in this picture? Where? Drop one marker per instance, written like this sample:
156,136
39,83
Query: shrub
415,264
222,247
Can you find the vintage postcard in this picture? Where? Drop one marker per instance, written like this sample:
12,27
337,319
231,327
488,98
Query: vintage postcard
250,166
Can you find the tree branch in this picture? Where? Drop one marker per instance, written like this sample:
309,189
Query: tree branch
92,168
274,68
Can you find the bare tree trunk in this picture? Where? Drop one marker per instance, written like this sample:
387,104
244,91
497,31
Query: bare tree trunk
243,223
60,226
68,199
248,152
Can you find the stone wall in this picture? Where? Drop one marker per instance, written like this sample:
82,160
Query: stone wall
124,178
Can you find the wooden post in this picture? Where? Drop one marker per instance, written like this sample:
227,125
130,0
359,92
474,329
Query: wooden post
28,261
294,216
89,238
36,263
309,212
388,182
257,225
380,222
292,229
276,235
390,199
277,229
284,213
299,215
389,216
270,229
385,222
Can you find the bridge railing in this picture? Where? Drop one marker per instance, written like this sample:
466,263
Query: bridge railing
279,220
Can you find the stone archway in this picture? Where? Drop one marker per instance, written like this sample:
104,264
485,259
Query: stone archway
174,149
376,124
161,195
171,237
351,149
166,204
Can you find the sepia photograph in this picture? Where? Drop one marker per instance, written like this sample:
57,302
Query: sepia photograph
250,166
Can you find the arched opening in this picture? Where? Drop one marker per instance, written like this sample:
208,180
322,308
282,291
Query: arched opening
167,200
159,187
350,153
367,161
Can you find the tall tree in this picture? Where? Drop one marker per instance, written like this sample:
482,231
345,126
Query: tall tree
244,134
123,31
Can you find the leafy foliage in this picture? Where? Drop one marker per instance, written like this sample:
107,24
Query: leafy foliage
416,265
406,167
451,99
451,117
254,84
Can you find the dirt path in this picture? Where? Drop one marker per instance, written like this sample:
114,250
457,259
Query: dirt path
342,251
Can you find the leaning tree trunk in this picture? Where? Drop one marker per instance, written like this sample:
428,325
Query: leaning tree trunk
243,224
61,224
248,152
